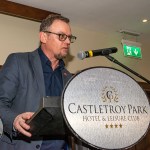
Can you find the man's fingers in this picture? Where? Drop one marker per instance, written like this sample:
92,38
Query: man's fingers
20,123
24,125
27,115
23,131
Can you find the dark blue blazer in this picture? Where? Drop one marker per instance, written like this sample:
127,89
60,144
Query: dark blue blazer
21,89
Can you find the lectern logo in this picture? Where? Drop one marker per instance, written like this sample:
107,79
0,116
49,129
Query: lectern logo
109,94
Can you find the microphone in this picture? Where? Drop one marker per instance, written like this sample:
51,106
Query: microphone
99,52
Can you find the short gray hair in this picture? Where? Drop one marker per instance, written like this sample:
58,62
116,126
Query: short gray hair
48,21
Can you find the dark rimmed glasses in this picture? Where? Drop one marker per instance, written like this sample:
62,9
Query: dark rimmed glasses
63,37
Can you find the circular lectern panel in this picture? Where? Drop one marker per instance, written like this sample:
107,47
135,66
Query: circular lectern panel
105,108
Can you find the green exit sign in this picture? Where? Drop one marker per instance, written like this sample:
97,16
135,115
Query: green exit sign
132,51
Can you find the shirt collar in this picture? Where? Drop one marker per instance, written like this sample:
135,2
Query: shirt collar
45,60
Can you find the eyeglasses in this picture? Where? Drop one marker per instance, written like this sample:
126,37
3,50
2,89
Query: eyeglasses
63,37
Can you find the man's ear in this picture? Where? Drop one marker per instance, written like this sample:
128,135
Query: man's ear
43,37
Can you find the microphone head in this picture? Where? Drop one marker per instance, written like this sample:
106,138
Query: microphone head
81,55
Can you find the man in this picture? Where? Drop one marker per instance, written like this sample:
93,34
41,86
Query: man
27,77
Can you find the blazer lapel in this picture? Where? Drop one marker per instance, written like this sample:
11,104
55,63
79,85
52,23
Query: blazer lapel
66,75
38,72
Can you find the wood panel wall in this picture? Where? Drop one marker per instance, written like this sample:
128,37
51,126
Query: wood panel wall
144,144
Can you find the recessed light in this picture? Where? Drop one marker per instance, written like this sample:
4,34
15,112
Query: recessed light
144,20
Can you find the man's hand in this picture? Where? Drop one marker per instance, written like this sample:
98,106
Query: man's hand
20,123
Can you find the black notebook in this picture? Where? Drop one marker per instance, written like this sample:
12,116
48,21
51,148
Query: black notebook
48,120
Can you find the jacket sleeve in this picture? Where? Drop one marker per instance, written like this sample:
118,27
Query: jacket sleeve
8,87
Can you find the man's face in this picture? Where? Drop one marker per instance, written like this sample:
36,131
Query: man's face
56,48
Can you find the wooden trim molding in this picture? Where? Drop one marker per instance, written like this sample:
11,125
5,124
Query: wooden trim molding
23,11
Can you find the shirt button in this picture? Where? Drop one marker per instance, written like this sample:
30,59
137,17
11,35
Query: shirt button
37,146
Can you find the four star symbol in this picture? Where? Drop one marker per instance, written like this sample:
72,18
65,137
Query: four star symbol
113,126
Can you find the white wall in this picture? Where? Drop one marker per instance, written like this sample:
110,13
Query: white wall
19,35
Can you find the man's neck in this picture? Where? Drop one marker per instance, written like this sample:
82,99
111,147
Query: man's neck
54,61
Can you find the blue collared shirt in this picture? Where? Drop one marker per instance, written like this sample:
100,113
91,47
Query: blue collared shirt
53,86
52,78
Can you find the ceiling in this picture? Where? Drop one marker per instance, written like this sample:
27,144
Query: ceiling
99,15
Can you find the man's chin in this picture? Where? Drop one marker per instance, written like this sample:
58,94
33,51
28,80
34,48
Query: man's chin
61,56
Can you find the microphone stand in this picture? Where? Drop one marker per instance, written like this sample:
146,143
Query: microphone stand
122,65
